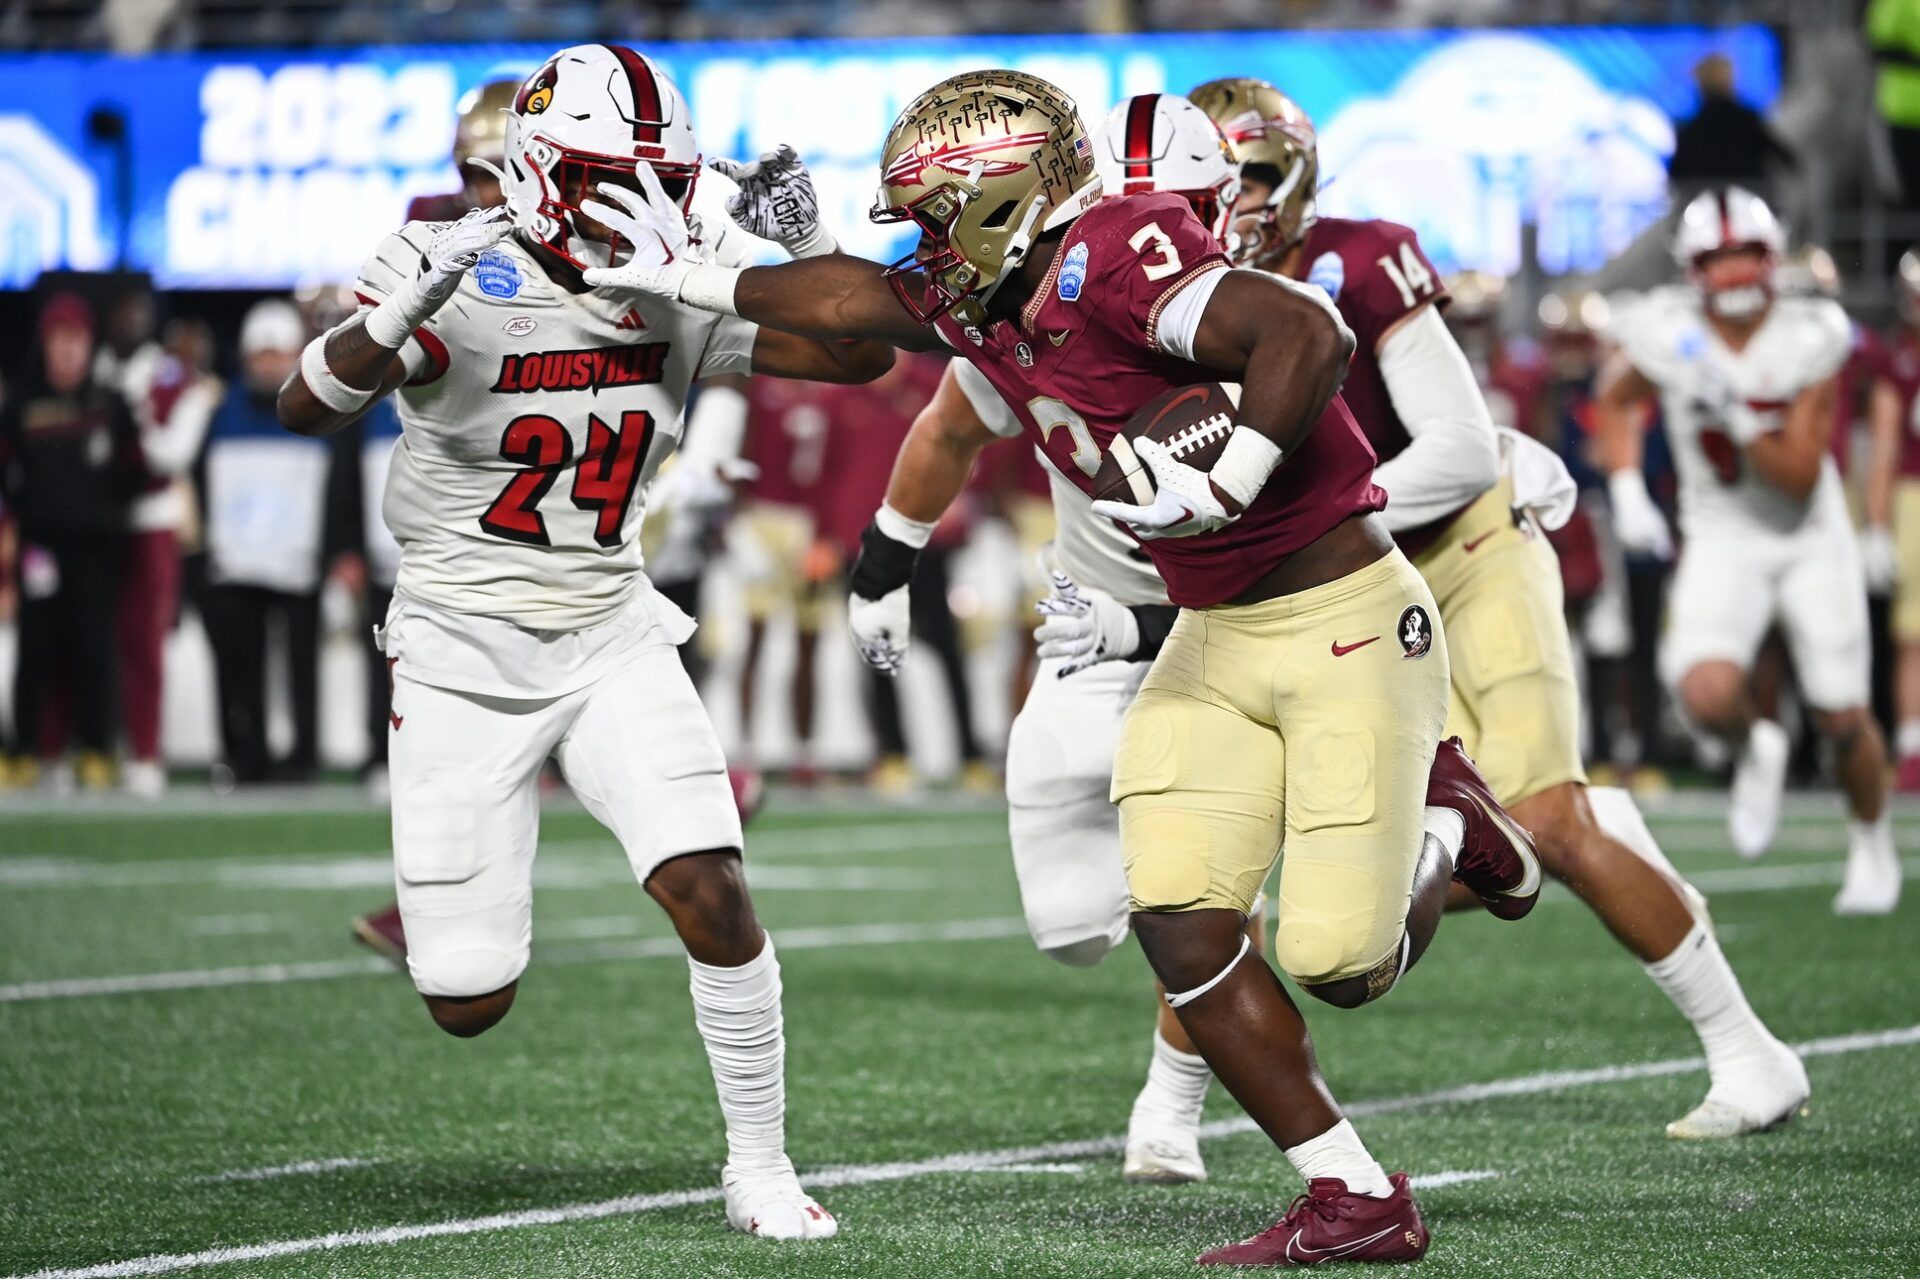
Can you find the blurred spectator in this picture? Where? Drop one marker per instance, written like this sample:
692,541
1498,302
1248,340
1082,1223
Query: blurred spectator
265,516
775,540
1893,513
172,396
69,454
1726,142
1893,28
868,425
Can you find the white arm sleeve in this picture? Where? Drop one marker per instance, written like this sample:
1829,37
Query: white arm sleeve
171,447
1454,456
717,427
986,401
729,347
1180,315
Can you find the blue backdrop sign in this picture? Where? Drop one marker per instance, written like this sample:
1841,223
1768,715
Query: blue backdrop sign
268,169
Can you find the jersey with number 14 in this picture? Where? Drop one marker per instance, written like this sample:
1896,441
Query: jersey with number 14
1084,354
541,415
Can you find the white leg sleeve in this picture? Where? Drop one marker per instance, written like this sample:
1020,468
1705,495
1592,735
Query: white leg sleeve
738,1013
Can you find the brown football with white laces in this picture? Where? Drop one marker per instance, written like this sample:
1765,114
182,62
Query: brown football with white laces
1192,421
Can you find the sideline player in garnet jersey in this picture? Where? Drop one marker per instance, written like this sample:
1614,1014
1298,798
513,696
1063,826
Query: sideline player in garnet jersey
1481,547
1303,688
523,627
1746,384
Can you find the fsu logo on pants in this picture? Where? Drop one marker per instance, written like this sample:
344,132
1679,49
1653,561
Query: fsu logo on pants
1416,632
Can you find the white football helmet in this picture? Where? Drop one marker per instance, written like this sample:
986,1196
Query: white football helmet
589,116
1717,221
1160,142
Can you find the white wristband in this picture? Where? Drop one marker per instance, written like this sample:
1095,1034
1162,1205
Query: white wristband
915,533
1628,487
816,243
1244,465
394,320
710,287
327,388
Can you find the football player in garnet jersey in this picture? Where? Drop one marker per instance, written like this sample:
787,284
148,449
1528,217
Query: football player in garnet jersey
1893,503
479,152
1482,549
522,626
1286,701
1746,383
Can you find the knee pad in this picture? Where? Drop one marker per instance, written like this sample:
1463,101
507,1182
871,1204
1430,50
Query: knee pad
463,973
1082,953
1313,953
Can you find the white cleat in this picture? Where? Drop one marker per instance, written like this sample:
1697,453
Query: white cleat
1750,1094
1163,1156
772,1205
144,778
1759,780
1872,885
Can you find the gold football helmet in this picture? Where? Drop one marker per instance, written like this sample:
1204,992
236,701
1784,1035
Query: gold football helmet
1275,143
982,163
482,128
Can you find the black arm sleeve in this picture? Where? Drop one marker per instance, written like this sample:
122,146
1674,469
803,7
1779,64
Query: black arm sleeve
883,565
1154,621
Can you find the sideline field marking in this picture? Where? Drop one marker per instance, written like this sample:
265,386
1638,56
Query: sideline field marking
880,934
304,1168
973,1161
1738,879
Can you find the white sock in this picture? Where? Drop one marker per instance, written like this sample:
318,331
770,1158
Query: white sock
1907,739
1871,841
1449,830
1339,1152
738,1013
1701,985
1176,1087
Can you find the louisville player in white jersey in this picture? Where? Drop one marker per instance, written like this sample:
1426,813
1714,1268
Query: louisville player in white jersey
523,627
1470,508
1746,382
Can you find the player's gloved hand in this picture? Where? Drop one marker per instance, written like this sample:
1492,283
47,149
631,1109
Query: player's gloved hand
1637,522
776,201
1880,558
449,254
664,251
694,487
1184,501
882,629
454,248
1084,627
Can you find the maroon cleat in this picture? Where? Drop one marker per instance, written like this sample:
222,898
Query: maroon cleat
1331,1223
1907,779
749,791
1496,860
383,933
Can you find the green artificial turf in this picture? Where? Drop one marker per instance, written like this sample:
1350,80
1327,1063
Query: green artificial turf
122,1111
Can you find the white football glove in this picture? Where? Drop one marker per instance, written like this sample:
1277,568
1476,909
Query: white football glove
1084,627
776,201
664,251
1184,502
449,254
882,629
1880,558
1637,522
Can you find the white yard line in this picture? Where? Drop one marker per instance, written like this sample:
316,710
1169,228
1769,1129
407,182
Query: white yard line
974,1161
1739,879
304,1168
883,934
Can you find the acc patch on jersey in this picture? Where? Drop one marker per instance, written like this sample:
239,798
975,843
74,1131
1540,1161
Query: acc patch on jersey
495,275
1329,272
1073,272
1415,632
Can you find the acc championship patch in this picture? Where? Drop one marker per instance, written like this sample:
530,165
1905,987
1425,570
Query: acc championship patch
496,275
1073,272
1330,274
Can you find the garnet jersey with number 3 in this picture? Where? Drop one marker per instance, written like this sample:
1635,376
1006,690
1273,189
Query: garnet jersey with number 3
1084,354
514,490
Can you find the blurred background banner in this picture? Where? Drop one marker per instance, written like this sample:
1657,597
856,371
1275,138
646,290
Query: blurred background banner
266,170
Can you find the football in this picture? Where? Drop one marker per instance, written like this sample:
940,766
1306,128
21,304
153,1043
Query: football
1192,421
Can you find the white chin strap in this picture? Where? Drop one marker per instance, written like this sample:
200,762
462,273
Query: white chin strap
1738,304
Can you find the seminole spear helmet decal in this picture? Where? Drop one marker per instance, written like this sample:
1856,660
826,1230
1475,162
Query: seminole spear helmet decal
1275,143
982,163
